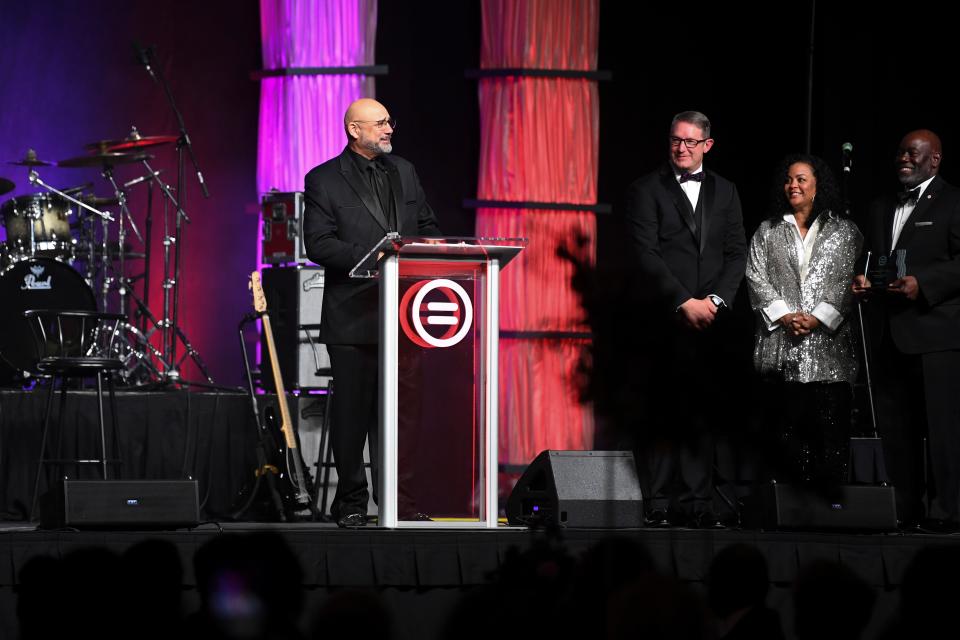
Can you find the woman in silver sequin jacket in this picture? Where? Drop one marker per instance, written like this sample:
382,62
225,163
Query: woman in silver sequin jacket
799,267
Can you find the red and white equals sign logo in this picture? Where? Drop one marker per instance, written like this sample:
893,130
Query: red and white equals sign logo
456,314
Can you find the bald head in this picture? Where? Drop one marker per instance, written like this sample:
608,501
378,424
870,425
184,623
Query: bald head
364,109
368,129
918,157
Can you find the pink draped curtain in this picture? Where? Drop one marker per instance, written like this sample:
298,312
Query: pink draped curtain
301,117
539,143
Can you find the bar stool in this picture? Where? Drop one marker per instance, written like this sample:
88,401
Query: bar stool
75,345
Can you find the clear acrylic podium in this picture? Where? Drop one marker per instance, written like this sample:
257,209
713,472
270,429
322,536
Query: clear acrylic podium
439,324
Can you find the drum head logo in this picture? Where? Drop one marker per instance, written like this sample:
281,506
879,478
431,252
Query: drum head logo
32,280
436,313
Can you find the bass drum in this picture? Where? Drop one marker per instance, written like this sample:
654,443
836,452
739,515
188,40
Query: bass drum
35,283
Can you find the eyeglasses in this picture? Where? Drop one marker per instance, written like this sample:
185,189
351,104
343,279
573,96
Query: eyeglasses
689,143
381,124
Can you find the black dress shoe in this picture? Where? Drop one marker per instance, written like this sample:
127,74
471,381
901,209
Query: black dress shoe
656,519
706,520
932,525
352,520
909,526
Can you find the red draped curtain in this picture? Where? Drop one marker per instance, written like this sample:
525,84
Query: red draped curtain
539,143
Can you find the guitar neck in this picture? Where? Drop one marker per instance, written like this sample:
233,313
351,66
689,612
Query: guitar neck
286,424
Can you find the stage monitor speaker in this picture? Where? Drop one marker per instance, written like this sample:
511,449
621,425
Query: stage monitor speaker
148,504
294,296
593,489
850,507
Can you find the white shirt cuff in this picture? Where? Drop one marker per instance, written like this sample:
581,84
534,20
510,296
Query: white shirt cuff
827,315
773,312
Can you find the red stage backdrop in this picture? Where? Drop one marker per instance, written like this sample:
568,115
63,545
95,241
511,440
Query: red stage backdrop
539,143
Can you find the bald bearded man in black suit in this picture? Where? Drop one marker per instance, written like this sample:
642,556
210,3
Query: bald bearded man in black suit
351,202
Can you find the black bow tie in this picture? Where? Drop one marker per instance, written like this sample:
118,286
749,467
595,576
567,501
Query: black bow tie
696,177
910,196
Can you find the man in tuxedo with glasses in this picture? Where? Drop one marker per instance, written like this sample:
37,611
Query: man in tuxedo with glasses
686,231
351,202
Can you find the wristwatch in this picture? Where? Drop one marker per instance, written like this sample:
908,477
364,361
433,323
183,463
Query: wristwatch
716,300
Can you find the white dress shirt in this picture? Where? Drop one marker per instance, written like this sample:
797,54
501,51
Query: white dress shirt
903,212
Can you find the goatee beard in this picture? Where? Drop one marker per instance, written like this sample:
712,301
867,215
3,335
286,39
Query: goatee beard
379,147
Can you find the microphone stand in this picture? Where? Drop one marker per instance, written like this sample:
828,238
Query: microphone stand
171,284
846,151
873,442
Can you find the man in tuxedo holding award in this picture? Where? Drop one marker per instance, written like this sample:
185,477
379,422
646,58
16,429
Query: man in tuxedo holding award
351,202
912,288
686,230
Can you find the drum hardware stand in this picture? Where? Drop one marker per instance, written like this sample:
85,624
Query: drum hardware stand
148,236
35,179
124,287
171,282
170,329
142,308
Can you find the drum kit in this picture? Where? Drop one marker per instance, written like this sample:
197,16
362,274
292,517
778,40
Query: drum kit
69,249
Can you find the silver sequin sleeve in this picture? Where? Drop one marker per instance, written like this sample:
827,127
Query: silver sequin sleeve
773,273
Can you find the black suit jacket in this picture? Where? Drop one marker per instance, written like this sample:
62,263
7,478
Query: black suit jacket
674,265
342,222
931,237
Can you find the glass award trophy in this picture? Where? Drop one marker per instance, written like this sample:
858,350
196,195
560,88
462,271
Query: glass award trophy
885,268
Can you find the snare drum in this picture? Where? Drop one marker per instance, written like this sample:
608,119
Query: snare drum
36,283
51,228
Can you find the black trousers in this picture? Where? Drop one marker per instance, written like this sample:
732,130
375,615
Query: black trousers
675,452
353,419
918,396
811,430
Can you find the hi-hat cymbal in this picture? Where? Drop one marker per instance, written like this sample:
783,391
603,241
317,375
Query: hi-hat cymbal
132,142
31,160
6,186
103,159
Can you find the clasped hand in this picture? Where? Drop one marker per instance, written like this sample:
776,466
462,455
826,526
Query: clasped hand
798,324
698,313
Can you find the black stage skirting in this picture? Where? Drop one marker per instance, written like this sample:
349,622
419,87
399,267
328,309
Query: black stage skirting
164,435
420,574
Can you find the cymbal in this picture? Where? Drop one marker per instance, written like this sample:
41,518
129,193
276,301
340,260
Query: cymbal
31,160
5,186
132,142
103,159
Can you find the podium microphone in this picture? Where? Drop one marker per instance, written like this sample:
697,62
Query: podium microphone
846,151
